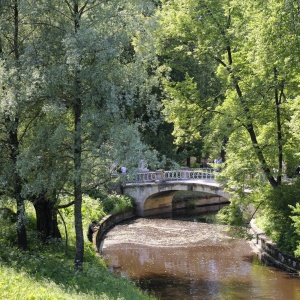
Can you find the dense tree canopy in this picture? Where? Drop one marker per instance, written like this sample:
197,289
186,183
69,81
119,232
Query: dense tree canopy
251,50
70,78
88,86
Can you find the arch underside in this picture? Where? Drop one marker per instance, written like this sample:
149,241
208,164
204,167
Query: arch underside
162,203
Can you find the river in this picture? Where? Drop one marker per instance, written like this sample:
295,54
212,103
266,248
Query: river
183,260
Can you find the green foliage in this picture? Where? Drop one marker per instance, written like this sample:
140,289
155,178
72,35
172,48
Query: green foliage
238,49
65,89
190,86
92,208
124,147
275,215
231,215
296,225
234,216
117,203
46,272
231,84
259,67
191,204
8,230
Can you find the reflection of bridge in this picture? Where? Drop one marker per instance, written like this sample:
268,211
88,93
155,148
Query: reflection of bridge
153,191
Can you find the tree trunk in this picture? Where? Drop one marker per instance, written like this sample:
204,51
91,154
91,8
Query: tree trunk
12,125
223,151
21,228
46,218
278,123
261,157
13,146
188,161
17,187
78,179
77,108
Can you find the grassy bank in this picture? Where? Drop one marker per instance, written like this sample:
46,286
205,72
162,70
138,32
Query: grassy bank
47,271
49,275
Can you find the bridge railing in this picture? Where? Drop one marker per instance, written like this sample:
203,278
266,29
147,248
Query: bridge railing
148,176
190,174
161,175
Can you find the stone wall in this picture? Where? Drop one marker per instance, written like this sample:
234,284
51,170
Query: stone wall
106,223
270,253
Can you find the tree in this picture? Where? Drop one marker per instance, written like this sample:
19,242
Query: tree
78,76
45,165
22,100
191,88
13,98
255,83
94,80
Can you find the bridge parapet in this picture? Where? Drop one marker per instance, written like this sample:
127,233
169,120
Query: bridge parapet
162,176
190,174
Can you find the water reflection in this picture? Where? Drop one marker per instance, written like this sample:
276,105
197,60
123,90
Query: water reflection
151,253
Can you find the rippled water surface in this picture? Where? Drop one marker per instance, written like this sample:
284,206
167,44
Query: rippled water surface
191,260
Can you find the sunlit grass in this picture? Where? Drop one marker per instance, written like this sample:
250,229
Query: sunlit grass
47,272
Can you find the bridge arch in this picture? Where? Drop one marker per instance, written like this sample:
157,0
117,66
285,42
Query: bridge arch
156,197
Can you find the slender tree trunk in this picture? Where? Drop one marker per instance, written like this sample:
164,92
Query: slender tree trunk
188,161
260,156
78,182
12,125
279,130
21,227
223,152
77,107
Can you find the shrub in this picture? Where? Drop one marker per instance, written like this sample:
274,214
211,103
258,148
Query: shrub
231,215
276,215
234,216
115,203
296,224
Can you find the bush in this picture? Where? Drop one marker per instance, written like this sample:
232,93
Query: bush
296,225
276,215
115,203
234,216
231,215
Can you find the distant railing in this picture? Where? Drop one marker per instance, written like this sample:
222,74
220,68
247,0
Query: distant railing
190,174
182,174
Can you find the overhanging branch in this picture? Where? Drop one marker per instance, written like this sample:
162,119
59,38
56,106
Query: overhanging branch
66,205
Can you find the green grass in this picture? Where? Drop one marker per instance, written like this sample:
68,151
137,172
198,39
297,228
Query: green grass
46,272
49,274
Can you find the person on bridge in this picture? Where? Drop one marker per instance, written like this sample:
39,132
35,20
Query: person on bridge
93,227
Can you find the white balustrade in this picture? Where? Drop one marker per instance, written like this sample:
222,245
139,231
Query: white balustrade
171,175
146,176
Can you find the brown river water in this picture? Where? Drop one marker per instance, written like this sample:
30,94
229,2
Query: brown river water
182,260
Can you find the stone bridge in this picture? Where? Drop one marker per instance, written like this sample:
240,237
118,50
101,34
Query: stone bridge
153,191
